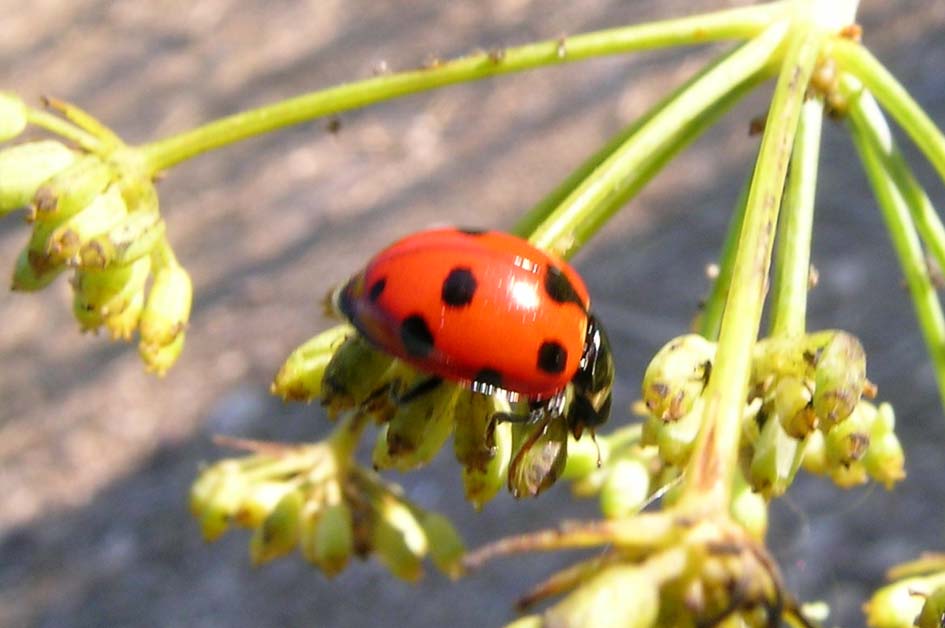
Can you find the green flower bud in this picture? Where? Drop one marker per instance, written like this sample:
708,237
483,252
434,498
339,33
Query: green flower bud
103,293
884,460
25,277
418,429
541,450
528,621
585,456
352,374
840,378
168,306
133,237
334,539
474,419
896,605
121,325
626,488
24,167
791,403
158,359
100,215
446,545
300,378
621,596
12,116
481,485
933,611
775,460
849,476
749,509
847,442
815,453
677,375
260,499
676,440
215,497
309,519
70,190
279,531
398,539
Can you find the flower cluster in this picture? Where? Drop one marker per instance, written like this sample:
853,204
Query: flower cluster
915,597
805,407
95,212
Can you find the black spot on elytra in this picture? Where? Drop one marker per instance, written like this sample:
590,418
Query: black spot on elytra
471,231
559,288
487,379
459,287
376,289
416,336
552,357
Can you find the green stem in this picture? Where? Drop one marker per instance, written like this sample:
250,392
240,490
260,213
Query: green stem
711,469
893,97
711,319
624,172
795,227
63,128
894,189
740,23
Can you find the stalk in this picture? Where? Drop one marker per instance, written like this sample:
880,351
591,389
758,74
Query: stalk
739,23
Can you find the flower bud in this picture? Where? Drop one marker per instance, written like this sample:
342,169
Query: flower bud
99,294
677,375
158,359
626,488
27,279
121,325
100,215
168,306
676,440
840,378
399,540
541,449
528,621
585,456
418,429
847,442
775,460
896,605
621,596
475,422
884,460
279,531
352,374
24,167
300,378
260,499
215,497
749,509
446,545
791,404
12,116
70,190
932,614
334,539
133,237
481,485
850,475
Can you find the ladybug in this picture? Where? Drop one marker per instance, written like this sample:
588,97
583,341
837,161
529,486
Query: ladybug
491,311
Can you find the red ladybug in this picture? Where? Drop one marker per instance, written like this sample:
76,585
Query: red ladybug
490,310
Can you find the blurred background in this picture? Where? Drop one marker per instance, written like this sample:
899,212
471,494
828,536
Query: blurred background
96,456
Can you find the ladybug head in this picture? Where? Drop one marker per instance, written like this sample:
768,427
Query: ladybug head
592,382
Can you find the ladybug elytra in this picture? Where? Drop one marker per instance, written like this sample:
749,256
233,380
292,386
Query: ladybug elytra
491,311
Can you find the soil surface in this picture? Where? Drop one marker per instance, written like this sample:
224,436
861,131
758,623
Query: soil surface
96,456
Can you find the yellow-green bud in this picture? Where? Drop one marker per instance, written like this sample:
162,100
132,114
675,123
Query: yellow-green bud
134,237
279,531
70,190
885,460
168,306
585,456
260,499
847,442
677,375
334,539
100,215
158,359
897,605
840,378
790,402
474,439
775,460
621,596
27,279
446,545
626,488
121,325
300,378
676,440
528,621
399,540
815,453
12,116
103,293
215,497
749,509
849,476
418,429
24,167
481,485
933,611
541,450
352,375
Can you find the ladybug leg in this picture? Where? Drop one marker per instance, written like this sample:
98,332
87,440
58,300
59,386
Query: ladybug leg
537,410
418,389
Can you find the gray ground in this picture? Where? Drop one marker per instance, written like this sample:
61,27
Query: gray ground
96,456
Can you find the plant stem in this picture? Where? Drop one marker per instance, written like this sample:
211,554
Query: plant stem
63,128
795,227
711,319
893,97
624,172
895,190
710,471
739,23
